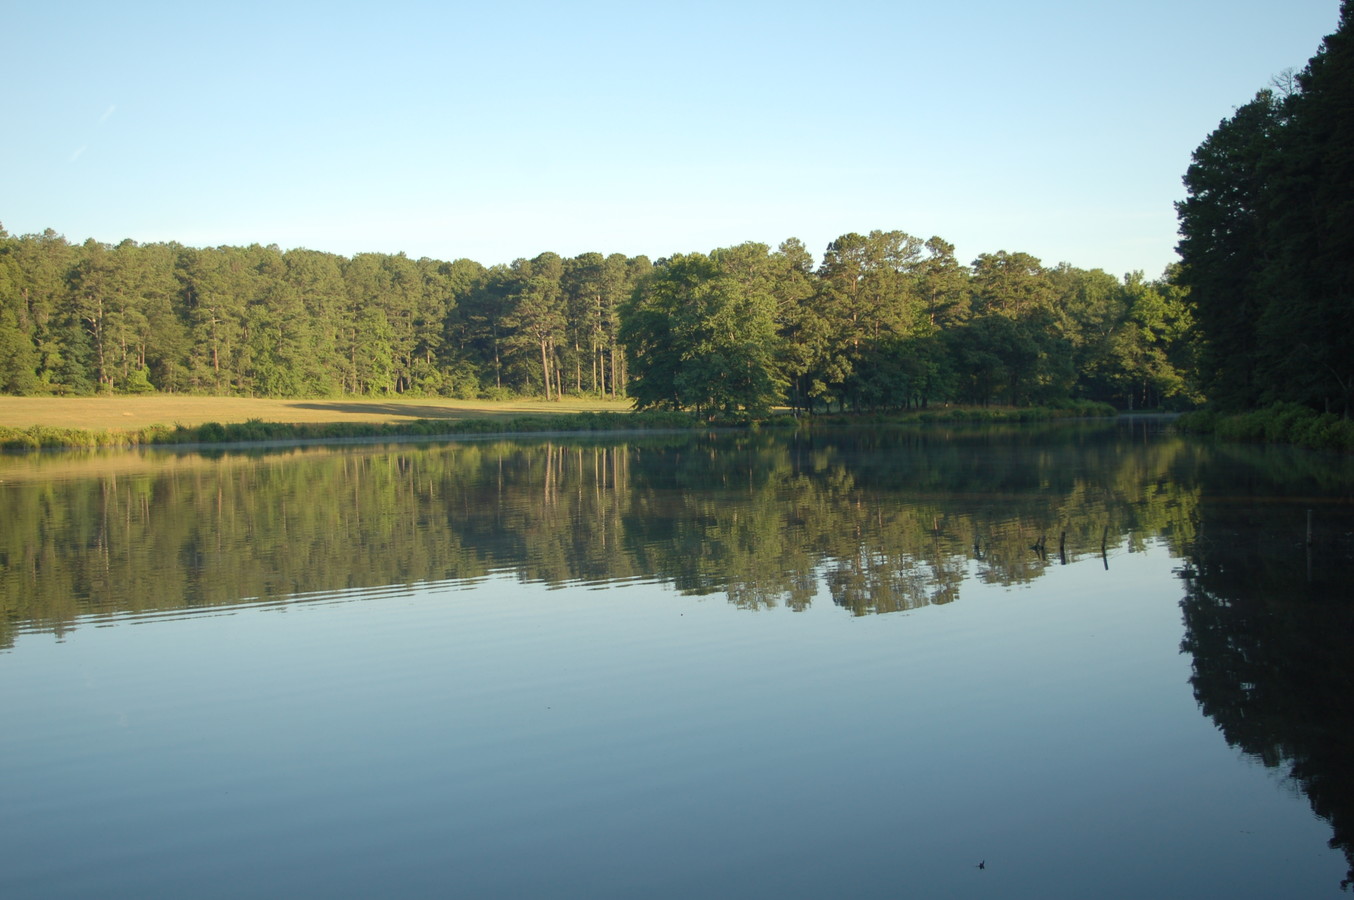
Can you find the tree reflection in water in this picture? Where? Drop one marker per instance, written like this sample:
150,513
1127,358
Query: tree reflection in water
880,521
1270,624
884,521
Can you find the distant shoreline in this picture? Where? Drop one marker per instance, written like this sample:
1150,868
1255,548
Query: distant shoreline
133,412
28,424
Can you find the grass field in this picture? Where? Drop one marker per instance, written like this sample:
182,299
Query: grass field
134,412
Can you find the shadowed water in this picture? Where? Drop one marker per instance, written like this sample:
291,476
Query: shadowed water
1110,665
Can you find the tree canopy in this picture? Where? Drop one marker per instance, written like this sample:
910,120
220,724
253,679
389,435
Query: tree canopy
1267,240
887,320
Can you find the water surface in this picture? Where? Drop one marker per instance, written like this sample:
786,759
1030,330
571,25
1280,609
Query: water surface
1099,661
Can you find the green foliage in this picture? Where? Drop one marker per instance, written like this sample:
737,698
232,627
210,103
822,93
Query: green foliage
256,321
1282,423
1267,241
44,437
135,381
701,331
888,322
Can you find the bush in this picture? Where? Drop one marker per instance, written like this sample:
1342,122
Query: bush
1284,423
155,434
1200,421
17,439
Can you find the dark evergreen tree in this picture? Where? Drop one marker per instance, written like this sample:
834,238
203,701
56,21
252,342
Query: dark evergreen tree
1267,240
1307,325
1222,248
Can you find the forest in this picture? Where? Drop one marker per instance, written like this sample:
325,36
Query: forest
1267,240
885,321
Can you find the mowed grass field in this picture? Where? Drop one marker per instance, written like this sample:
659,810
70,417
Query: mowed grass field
133,412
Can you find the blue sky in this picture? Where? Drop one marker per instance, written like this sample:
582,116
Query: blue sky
500,131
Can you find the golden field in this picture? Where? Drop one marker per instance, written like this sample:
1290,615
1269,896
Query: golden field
133,412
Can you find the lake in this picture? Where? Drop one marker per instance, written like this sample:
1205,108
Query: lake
1080,660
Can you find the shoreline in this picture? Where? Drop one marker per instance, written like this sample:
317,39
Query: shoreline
258,433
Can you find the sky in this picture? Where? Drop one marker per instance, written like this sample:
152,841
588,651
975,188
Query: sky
498,131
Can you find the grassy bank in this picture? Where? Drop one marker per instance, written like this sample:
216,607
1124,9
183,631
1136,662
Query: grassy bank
1073,409
31,424
134,412
1285,423
39,437
28,423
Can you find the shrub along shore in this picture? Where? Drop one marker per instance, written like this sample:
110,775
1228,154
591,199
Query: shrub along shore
1283,423
40,437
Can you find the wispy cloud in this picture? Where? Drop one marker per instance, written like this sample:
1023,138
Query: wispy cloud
107,114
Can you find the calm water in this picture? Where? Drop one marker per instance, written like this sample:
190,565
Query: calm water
1099,660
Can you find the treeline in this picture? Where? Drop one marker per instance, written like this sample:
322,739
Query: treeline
886,321
1267,240
889,321
258,321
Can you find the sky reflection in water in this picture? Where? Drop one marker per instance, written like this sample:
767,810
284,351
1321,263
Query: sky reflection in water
501,736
